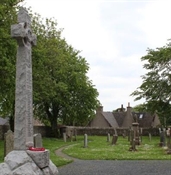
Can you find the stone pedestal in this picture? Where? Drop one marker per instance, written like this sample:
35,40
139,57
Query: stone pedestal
28,162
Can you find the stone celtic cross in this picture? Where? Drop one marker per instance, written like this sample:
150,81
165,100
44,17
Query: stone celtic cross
23,127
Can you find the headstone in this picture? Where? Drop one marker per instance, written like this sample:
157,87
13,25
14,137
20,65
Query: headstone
132,141
9,142
23,127
71,135
108,137
162,137
114,139
149,135
124,134
38,140
75,134
85,141
137,138
64,137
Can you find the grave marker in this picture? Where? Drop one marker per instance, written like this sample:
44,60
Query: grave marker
38,140
85,140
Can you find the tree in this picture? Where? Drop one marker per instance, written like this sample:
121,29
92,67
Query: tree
62,91
156,86
8,16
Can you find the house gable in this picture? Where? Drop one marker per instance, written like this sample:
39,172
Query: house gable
110,119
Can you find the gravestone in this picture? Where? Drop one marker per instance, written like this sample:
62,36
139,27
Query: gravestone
25,159
114,139
85,141
75,134
64,137
132,141
9,142
162,137
37,140
108,137
137,138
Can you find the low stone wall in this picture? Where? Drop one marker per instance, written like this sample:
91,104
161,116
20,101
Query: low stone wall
45,131
105,131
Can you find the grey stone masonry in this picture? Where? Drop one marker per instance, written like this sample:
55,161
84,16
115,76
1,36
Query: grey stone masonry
38,140
23,131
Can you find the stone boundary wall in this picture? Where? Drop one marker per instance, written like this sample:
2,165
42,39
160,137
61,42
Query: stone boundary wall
46,131
105,131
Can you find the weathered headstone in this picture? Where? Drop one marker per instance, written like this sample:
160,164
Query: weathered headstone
137,138
75,134
38,140
132,141
23,128
108,137
124,134
114,139
162,137
9,142
25,159
85,141
64,137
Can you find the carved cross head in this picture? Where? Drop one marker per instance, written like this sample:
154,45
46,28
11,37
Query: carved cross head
22,31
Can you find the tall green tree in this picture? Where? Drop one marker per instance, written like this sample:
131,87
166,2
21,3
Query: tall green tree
8,16
156,86
62,90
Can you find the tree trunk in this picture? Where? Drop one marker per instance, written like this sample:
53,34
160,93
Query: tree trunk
54,127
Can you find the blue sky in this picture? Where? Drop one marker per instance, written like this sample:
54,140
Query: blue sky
112,36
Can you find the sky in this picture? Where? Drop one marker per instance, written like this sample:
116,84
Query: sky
112,36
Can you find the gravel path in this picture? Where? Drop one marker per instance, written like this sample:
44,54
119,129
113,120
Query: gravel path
114,167
108,167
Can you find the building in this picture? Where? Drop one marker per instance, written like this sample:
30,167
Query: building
124,118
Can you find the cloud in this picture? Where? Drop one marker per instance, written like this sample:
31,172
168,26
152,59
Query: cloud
112,36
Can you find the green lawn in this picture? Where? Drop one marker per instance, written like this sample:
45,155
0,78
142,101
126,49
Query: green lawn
99,149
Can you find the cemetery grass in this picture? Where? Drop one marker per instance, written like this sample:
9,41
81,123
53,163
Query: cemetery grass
99,149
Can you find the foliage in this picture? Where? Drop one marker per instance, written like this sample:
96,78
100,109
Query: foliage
8,10
62,91
140,108
156,85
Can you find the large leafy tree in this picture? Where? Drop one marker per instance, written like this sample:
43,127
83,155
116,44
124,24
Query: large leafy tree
156,86
8,11
62,91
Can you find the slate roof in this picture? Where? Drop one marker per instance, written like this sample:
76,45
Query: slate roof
119,116
110,119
